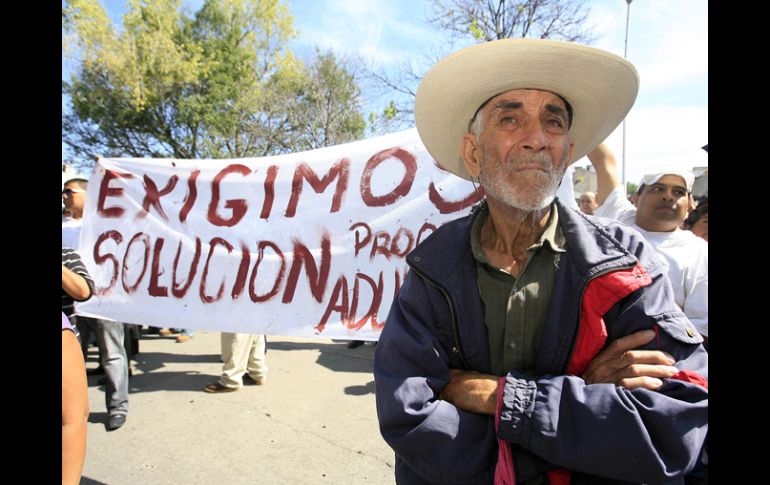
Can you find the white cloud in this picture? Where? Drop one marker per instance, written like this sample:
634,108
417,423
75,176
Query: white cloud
660,138
667,40
345,27
668,45
381,33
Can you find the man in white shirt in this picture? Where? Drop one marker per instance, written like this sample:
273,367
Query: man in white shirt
663,204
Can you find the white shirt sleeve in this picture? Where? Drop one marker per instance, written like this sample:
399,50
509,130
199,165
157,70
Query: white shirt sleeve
617,207
696,302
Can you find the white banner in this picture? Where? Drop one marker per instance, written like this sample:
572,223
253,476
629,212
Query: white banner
307,244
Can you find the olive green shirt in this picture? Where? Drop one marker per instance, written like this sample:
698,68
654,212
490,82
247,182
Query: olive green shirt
515,309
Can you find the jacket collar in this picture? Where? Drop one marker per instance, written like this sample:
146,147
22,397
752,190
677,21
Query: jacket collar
440,254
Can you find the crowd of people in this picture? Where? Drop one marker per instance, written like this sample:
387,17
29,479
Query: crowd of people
537,340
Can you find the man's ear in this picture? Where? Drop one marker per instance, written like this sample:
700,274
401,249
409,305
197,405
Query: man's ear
471,152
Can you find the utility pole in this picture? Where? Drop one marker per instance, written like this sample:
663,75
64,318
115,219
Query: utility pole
625,54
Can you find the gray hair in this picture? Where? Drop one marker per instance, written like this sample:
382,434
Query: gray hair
475,125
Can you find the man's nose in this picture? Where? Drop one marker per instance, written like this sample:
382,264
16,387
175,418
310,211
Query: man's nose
534,137
668,194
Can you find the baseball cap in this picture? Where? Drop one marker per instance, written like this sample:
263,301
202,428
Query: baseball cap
687,176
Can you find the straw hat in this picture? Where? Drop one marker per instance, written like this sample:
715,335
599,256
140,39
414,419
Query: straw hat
601,88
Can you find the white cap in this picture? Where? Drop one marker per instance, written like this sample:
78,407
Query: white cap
687,176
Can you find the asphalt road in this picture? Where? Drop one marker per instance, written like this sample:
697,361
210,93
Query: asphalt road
314,422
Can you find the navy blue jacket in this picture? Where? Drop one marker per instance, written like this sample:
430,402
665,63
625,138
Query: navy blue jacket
602,433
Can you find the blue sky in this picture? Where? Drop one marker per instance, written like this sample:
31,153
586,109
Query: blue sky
667,42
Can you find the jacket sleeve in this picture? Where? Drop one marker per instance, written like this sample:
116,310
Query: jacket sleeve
439,442
602,429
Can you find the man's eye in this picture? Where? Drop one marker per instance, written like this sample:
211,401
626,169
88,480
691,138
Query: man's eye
507,120
556,123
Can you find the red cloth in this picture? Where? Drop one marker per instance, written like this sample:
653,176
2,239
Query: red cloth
504,473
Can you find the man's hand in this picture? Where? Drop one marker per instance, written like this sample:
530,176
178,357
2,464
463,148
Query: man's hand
619,364
472,391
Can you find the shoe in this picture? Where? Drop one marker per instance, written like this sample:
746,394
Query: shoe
247,379
182,338
215,387
115,421
166,332
355,343
95,372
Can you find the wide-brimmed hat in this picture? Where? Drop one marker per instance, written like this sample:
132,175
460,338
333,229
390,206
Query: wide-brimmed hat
601,88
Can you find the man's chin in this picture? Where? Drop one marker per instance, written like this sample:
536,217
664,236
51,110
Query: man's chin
528,204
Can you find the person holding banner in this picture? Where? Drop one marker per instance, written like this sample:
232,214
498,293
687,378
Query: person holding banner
530,343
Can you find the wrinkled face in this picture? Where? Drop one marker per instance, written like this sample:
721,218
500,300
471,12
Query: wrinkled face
73,196
522,149
587,203
701,227
663,206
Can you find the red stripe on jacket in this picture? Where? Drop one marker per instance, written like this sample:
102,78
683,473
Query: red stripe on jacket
601,294
692,377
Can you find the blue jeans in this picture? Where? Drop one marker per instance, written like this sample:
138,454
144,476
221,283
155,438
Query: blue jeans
110,338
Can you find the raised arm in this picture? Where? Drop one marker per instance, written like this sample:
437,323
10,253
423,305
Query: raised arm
606,171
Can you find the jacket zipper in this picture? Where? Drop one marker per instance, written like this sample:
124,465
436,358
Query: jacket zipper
458,348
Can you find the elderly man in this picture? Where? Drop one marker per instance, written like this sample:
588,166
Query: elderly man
663,204
530,343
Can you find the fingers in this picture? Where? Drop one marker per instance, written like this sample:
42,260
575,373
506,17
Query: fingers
619,363
622,345
633,371
650,383
632,357
642,375
630,342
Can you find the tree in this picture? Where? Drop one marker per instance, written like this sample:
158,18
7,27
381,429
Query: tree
327,112
219,84
487,20
480,21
